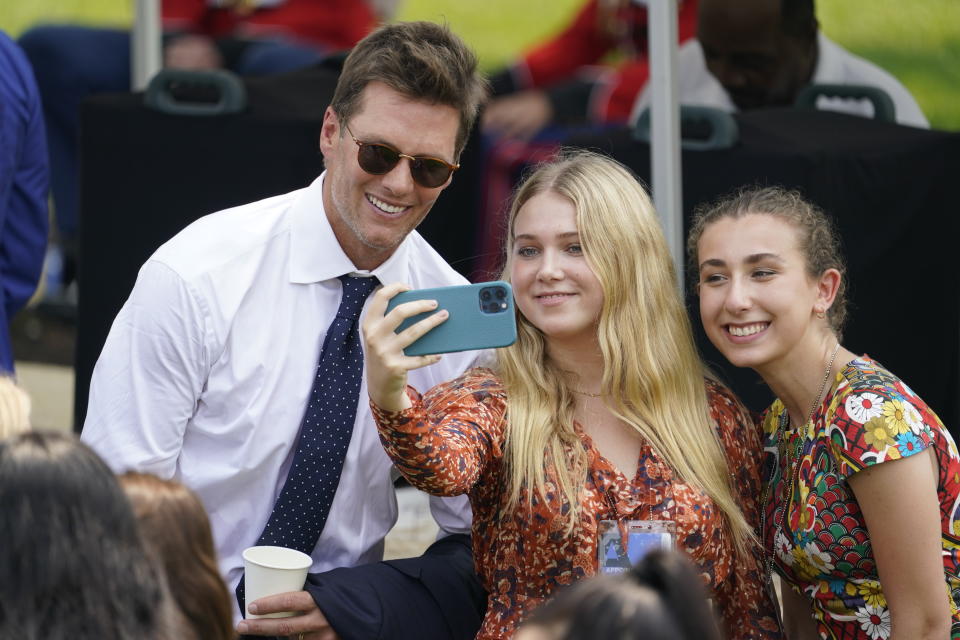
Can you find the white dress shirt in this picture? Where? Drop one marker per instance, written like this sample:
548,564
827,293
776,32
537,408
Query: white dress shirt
205,374
835,65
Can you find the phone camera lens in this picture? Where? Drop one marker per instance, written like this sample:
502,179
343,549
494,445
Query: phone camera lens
501,294
485,295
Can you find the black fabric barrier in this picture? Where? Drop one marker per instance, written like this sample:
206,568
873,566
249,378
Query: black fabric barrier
892,191
146,175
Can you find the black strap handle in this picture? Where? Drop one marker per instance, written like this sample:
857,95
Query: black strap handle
883,107
701,128
196,93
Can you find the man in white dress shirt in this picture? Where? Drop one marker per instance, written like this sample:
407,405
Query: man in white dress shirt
206,372
761,53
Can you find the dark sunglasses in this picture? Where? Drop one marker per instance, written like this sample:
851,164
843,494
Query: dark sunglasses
380,159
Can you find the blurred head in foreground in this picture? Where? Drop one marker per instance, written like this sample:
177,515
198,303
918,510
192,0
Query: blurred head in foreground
14,408
175,528
72,564
662,598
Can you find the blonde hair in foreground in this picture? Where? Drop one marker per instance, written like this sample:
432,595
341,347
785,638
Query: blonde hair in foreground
14,408
653,377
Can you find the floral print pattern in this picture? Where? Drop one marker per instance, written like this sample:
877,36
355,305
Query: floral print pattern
823,550
452,442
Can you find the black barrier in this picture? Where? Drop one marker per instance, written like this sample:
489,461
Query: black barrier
146,175
891,190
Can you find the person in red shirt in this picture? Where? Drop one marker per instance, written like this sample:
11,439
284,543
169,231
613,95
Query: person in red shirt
556,82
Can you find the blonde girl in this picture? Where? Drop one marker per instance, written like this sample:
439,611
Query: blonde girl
599,412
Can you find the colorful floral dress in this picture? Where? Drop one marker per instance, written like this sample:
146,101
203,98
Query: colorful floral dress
822,548
452,442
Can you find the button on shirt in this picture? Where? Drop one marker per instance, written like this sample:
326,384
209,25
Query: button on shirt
205,375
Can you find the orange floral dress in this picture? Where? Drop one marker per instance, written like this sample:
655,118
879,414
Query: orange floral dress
451,441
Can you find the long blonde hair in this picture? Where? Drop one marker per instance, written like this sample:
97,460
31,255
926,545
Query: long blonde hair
652,375
14,408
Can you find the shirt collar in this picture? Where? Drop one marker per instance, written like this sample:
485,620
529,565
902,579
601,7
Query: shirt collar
315,253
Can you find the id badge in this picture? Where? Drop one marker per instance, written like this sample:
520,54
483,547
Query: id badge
622,543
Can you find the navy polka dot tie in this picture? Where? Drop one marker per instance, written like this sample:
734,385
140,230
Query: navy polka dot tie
301,509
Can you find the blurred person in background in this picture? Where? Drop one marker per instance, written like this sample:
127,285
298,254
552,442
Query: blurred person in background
24,183
661,598
72,564
174,526
565,81
750,54
249,37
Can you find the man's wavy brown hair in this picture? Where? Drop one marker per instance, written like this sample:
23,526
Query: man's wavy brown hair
421,60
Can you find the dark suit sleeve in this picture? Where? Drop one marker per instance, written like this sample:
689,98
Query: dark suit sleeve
437,595
24,181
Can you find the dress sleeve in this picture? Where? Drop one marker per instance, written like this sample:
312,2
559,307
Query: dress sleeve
444,441
743,602
870,424
150,374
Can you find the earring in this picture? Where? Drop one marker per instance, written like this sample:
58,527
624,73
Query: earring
821,314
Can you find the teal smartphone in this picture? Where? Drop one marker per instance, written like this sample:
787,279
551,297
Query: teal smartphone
481,317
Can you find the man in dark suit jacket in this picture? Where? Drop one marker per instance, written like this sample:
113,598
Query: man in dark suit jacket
401,599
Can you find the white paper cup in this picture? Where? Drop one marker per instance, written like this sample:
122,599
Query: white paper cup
272,570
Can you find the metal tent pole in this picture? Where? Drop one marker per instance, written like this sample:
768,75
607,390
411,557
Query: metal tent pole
145,43
665,162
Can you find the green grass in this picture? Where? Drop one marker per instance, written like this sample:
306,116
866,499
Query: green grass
18,15
918,42
497,29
